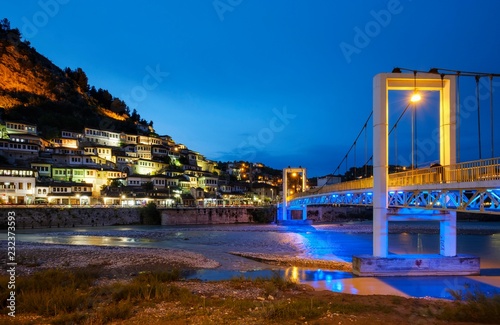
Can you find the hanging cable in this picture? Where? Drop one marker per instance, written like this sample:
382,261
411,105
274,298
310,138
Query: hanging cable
352,146
355,168
491,119
396,145
346,162
441,110
458,122
366,152
478,117
414,98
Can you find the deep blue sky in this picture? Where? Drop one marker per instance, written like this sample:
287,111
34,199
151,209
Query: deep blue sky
264,80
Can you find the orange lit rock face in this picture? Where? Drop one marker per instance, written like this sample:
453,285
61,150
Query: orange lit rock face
19,73
28,79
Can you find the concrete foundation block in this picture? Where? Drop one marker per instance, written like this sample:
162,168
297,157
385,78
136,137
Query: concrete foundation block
415,265
293,222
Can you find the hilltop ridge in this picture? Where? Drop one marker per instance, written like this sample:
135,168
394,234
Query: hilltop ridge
35,90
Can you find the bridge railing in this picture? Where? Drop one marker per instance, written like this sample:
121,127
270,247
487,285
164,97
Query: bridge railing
358,184
471,171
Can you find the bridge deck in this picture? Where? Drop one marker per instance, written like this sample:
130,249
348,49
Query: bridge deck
470,186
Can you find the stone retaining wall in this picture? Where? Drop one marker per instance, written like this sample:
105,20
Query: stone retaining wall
206,216
51,217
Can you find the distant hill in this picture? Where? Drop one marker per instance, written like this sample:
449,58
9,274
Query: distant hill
34,90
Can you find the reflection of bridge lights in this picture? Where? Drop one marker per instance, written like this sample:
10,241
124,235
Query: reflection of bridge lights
295,274
319,275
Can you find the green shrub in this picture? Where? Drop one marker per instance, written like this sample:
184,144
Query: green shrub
150,215
54,291
472,305
263,215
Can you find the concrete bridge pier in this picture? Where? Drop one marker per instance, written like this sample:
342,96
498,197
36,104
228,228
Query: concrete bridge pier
448,235
285,216
381,263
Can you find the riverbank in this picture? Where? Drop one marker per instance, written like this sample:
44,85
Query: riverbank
201,247
118,292
88,296
115,261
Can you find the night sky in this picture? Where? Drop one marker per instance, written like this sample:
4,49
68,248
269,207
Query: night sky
283,82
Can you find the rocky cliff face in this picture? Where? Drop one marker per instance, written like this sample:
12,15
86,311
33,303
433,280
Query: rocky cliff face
27,77
34,90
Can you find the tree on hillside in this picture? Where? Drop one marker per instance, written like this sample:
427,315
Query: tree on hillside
103,97
135,116
13,35
118,106
80,77
5,24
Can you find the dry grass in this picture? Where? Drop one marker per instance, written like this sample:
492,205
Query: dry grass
73,297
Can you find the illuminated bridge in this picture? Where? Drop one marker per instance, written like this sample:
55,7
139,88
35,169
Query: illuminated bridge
435,193
470,186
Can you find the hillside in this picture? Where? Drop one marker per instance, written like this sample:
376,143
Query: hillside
34,90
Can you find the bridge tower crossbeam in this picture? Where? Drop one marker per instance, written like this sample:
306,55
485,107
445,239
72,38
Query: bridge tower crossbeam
447,262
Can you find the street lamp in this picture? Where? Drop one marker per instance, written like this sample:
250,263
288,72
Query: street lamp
414,99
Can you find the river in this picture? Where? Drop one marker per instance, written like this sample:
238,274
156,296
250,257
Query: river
322,241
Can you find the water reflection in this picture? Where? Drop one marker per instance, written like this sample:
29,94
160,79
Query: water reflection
345,282
94,240
216,242
435,286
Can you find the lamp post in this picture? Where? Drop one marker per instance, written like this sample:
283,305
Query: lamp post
414,99
168,187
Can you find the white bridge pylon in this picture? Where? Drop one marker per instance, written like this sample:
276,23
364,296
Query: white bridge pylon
382,83
294,181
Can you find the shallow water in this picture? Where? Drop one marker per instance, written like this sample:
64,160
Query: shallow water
216,242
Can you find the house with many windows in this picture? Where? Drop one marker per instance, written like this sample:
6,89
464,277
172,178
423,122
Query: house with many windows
108,167
17,185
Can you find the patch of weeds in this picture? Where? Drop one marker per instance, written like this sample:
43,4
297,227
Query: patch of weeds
119,311
472,305
149,286
270,285
302,308
161,276
275,284
54,291
31,261
73,318
239,282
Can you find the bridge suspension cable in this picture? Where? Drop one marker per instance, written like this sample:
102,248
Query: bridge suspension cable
477,76
353,146
458,123
478,117
491,119
442,72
